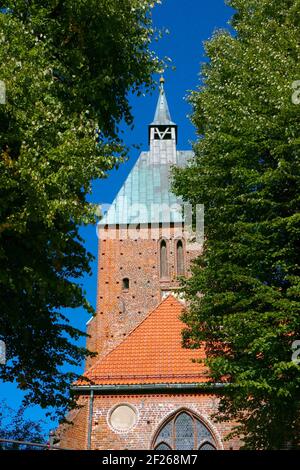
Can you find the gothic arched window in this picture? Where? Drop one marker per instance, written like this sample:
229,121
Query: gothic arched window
163,259
180,258
184,431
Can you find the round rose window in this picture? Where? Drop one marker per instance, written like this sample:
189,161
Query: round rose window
122,418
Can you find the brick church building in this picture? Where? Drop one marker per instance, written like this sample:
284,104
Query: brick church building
144,390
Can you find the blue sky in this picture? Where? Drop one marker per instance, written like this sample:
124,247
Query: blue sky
190,23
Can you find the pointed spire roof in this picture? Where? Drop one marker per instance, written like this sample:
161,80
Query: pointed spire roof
148,185
162,114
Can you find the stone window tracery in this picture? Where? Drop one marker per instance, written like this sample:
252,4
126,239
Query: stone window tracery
184,431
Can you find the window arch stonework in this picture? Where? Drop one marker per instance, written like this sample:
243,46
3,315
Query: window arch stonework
184,430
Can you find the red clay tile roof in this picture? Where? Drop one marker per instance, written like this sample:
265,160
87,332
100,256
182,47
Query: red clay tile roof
152,353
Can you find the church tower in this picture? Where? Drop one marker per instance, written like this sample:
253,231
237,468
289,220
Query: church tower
142,250
143,390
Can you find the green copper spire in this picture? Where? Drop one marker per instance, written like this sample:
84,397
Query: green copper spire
162,114
146,196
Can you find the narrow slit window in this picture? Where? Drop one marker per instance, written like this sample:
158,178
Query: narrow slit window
125,283
163,259
180,258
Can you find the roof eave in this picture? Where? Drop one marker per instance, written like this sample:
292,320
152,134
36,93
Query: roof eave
148,388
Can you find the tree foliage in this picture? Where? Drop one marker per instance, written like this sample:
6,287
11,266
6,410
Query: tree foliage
247,173
15,426
68,67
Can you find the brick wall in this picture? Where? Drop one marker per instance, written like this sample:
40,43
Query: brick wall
74,435
135,257
152,411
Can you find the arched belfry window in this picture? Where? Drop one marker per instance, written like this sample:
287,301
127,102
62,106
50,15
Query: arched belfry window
180,258
164,271
184,431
